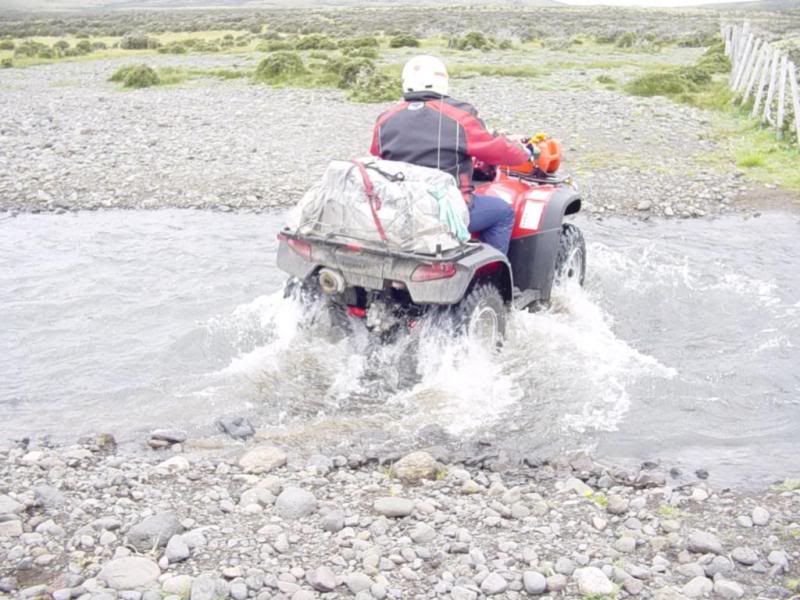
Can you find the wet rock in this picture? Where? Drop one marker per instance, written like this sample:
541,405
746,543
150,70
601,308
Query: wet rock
263,459
236,427
494,584
154,532
702,542
295,503
321,579
592,580
415,467
534,582
129,573
728,589
393,506
760,516
171,436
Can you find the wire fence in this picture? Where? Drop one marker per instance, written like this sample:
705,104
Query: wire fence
765,75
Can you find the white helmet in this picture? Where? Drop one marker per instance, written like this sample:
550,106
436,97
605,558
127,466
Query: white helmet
425,73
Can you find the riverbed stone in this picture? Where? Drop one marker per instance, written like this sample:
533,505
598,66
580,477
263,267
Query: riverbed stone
204,587
760,516
9,506
238,427
263,459
154,531
494,584
534,582
358,582
730,590
178,585
129,572
592,580
321,579
698,587
11,529
393,506
617,505
744,555
556,582
702,542
422,534
295,503
415,467
171,436
177,549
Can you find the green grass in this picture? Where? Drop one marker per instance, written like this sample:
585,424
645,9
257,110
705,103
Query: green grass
470,70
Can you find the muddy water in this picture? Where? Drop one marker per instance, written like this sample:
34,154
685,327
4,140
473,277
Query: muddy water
682,347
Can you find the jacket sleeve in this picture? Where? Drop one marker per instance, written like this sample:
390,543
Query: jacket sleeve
494,150
375,148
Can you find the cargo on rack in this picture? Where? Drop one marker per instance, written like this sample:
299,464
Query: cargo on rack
393,204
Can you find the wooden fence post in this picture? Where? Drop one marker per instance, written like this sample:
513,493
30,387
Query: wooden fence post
784,72
763,81
745,61
795,98
754,73
773,77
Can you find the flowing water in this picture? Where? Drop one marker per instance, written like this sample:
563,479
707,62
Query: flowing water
683,346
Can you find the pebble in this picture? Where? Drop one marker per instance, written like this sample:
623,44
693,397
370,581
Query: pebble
393,506
702,542
728,589
744,555
295,503
556,582
321,579
760,516
494,584
154,532
592,580
534,582
177,549
129,572
698,587
236,427
263,459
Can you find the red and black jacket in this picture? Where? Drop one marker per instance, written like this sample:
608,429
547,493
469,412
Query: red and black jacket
431,130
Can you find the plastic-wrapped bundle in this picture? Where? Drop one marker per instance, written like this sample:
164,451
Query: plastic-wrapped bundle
409,208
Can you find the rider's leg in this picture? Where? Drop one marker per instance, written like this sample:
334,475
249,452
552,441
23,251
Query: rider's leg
493,218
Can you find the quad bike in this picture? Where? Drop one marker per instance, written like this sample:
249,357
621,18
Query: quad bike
474,285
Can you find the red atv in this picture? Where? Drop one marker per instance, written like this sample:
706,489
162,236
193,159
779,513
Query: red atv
472,284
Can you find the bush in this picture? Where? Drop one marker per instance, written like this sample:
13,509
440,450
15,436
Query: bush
99,45
714,60
46,53
474,40
315,41
6,63
375,87
84,47
351,71
173,48
606,80
281,65
365,41
273,46
29,49
6,45
404,41
138,41
136,76
362,52
626,40
61,45
505,45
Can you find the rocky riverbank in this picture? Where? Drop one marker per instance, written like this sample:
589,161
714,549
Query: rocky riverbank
192,520
71,140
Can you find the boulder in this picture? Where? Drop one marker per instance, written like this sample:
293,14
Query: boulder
263,459
129,573
415,467
154,532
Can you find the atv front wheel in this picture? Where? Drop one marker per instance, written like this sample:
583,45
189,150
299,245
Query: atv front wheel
482,314
571,257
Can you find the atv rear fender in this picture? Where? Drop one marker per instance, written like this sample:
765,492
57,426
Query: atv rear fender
373,270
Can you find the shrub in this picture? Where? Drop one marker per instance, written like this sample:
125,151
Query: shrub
138,41
29,49
136,76
606,80
626,40
474,40
99,45
362,52
84,47
173,48
61,45
315,41
660,84
281,65
46,53
404,41
365,41
696,40
375,87
714,60
351,71
505,45
6,45
274,46
6,63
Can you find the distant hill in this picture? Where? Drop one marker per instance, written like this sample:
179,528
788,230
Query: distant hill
758,5
76,5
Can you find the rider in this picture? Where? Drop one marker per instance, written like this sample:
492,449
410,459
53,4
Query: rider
430,129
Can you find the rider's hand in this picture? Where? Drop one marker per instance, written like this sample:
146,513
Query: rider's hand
534,151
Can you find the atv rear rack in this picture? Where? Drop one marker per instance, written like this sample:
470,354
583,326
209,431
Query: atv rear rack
453,254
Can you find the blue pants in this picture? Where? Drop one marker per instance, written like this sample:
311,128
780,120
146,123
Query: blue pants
493,218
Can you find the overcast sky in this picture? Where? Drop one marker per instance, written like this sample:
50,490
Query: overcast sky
657,3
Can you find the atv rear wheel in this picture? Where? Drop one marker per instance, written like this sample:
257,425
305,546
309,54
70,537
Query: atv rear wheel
482,314
571,257
319,309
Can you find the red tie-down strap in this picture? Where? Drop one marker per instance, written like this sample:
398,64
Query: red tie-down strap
372,197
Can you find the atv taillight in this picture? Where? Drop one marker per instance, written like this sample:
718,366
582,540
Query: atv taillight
301,247
433,272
